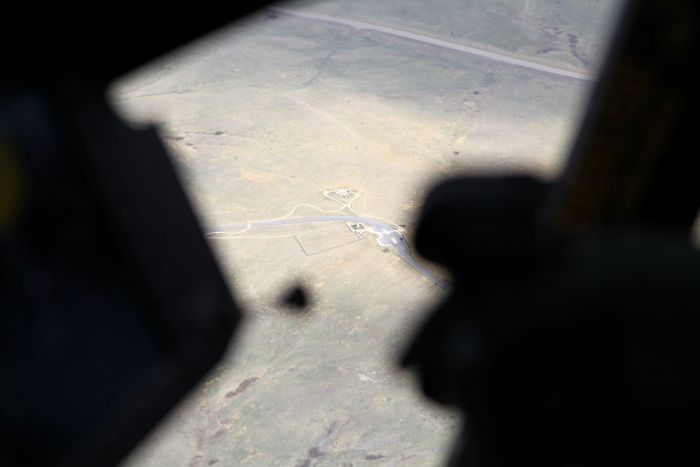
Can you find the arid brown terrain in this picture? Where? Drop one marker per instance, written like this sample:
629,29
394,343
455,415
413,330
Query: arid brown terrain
266,115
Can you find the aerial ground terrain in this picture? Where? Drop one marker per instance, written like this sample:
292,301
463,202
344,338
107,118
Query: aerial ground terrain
347,108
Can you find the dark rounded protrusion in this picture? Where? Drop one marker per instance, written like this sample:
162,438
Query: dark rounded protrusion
474,220
296,299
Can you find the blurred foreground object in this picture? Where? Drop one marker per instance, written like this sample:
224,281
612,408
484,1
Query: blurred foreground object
112,306
296,300
571,335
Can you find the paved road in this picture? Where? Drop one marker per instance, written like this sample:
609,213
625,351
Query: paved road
388,237
429,40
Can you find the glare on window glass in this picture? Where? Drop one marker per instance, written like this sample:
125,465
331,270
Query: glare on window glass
307,136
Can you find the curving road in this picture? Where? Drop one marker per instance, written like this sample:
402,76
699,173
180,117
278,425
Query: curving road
387,237
437,42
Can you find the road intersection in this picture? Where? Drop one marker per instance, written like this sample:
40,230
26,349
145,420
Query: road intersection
387,236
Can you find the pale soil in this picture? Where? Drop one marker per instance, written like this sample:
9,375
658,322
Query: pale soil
266,115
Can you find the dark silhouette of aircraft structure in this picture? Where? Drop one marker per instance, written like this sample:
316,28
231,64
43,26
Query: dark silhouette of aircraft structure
571,334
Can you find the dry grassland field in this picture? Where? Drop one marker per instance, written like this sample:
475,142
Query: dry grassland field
298,113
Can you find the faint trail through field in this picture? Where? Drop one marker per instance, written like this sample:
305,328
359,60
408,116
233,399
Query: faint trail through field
437,42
